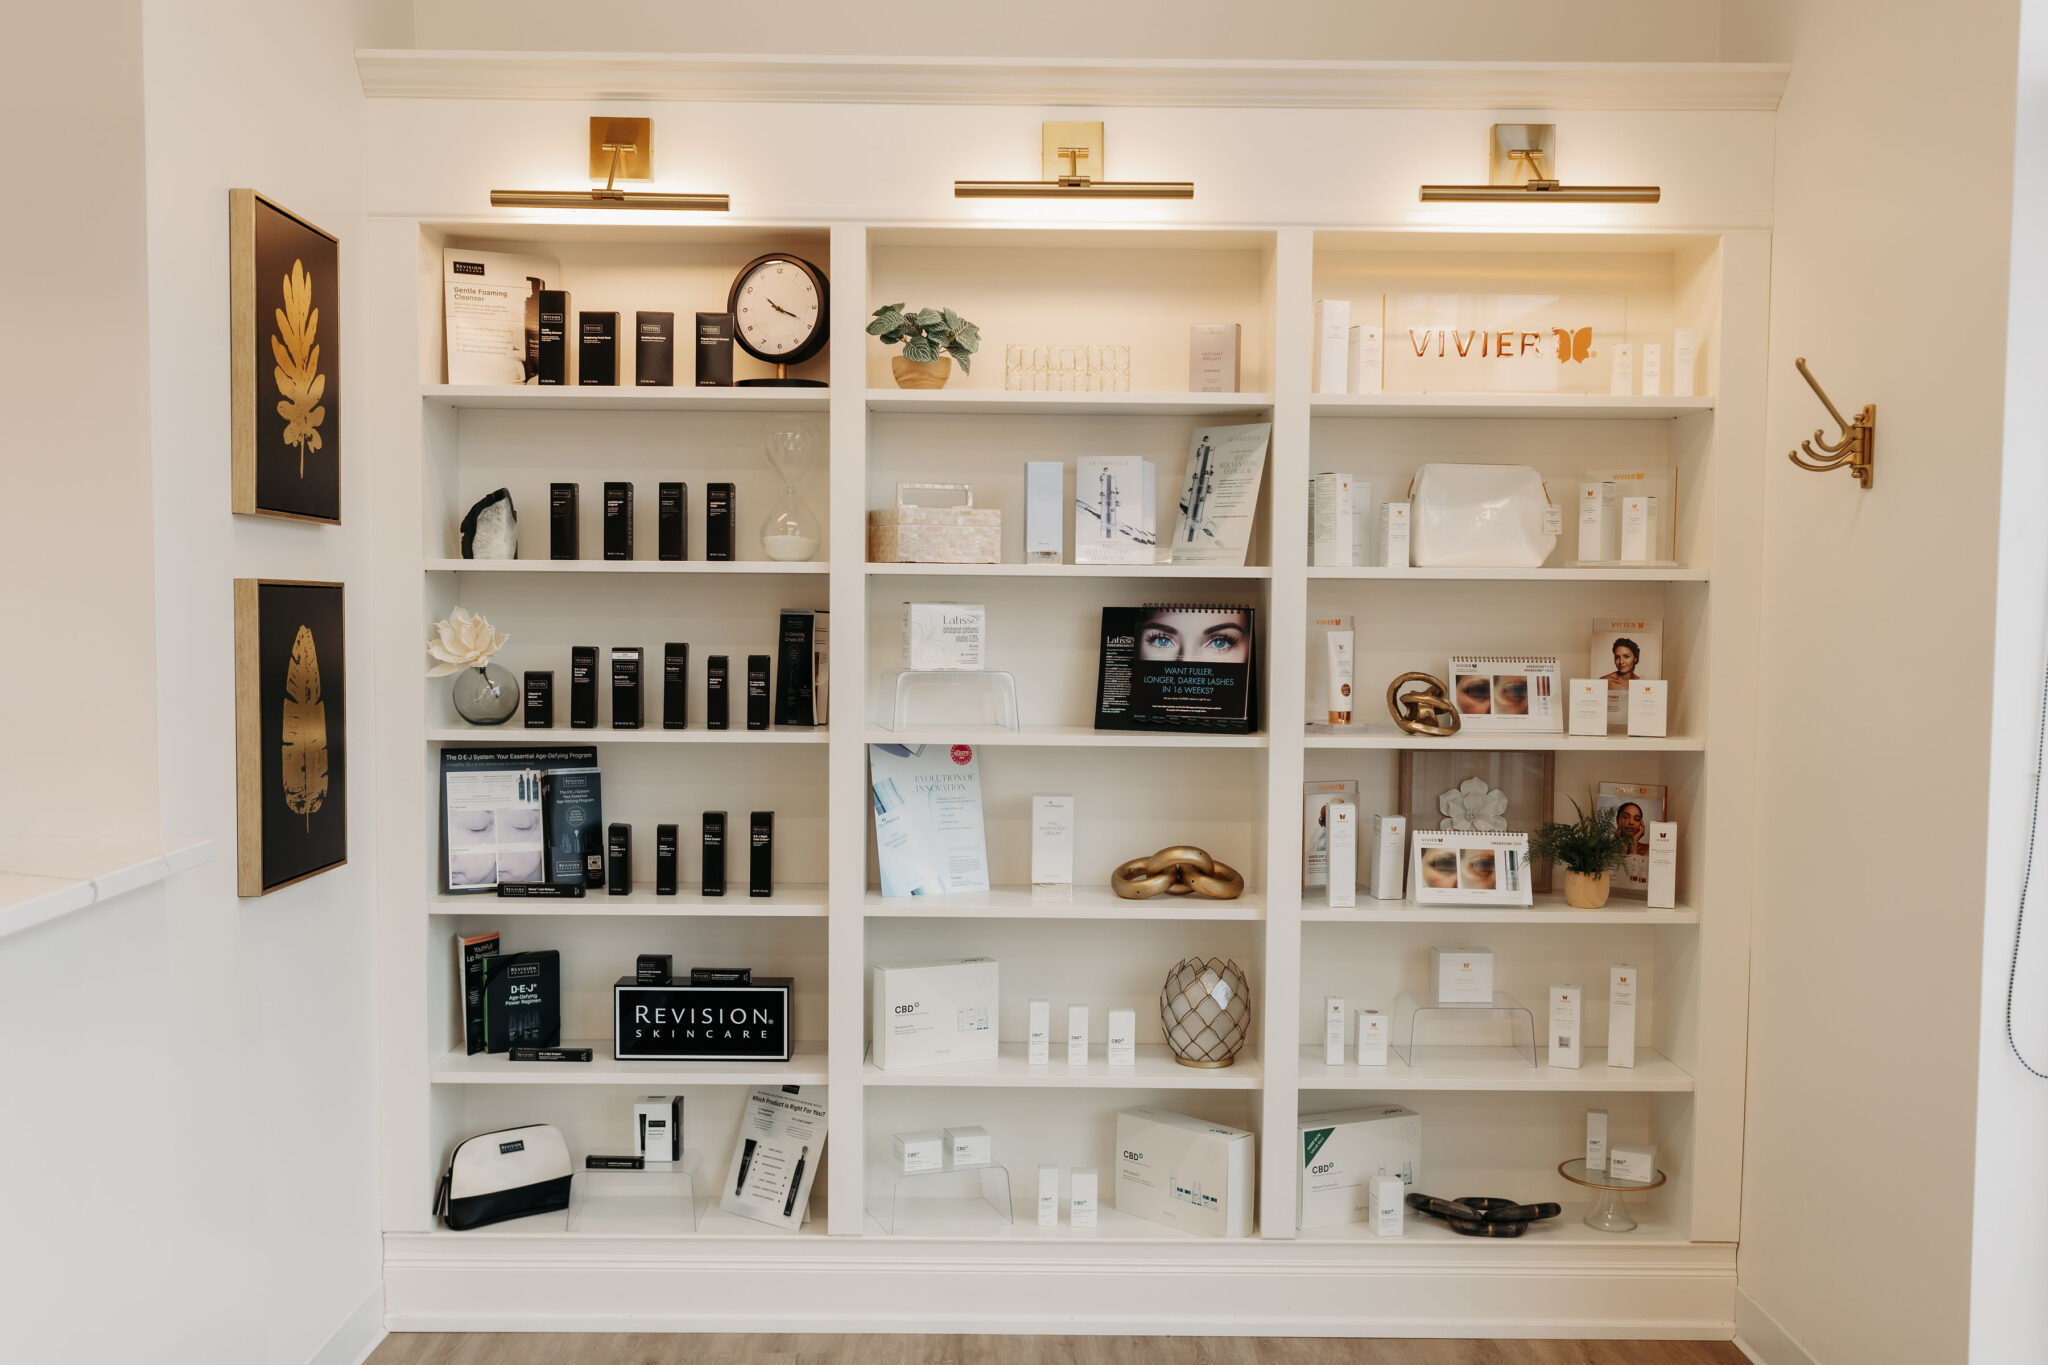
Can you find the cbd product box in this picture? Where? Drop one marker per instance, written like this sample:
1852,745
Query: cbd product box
775,1160
922,1151
1341,1151
970,1146
687,1022
928,1013
1184,1172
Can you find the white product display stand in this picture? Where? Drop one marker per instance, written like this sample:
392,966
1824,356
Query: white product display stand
953,1199
660,1199
1464,1033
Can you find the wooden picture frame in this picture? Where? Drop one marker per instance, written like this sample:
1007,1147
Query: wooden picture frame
1527,777
284,339
291,732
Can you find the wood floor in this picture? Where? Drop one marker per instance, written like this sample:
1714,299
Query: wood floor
600,1349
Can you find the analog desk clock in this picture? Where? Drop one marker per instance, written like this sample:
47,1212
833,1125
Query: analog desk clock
781,312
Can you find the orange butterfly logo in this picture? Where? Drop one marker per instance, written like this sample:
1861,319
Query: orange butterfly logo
1574,346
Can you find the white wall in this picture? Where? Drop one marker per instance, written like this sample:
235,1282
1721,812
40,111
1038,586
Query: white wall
1894,169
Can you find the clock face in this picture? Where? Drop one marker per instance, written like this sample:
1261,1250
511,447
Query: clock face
777,307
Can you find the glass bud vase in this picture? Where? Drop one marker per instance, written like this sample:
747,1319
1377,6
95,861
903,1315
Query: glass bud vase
791,533
487,695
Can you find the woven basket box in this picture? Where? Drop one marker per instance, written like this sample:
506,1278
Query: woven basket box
961,533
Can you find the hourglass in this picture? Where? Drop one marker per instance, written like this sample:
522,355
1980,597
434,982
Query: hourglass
791,533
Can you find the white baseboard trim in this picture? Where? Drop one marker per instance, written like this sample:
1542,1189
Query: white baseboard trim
1758,1336
359,1334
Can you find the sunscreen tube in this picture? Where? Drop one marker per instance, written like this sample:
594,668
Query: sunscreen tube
1340,651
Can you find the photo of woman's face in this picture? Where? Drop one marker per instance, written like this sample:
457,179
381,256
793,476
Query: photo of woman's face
1475,870
1510,694
1624,659
1440,868
1628,822
1222,637
1475,695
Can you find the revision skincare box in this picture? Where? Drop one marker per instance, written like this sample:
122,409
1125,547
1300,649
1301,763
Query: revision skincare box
716,693
714,350
654,350
672,530
675,686
626,688
618,521
761,850
553,356
583,687
618,854
714,853
719,511
540,700
757,691
687,1021
665,855
597,348
563,540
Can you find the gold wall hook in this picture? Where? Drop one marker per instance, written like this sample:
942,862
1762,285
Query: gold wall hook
1855,452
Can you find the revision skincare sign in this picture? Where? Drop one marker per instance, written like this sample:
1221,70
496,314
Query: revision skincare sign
698,1023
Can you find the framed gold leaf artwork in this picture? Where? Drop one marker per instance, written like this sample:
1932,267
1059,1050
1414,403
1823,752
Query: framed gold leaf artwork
291,732
285,335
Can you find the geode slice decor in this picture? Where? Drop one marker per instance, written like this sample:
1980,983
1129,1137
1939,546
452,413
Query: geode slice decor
491,530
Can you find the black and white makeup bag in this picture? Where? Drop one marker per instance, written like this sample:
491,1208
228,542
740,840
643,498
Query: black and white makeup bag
507,1174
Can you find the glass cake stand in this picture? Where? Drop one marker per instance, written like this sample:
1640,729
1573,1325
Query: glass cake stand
1610,1214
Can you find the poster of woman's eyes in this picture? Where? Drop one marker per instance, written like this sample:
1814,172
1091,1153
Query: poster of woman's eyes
1507,692
1178,667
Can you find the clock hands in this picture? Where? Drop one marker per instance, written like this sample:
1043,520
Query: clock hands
780,309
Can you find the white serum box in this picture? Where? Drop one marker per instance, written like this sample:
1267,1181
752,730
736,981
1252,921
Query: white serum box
1681,363
1052,840
1048,1196
1596,1141
1045,523
1648,700
1343,854
1389,871
1077,1035
1123,1037
1331,521
1623,381
1653,370
1596,511
1372,1037
1621,1015
1213,352
1082,1197
1586,706
1333,1030
1663,864
1332,360
1039,1047
1394,535
1365,350
1567,1025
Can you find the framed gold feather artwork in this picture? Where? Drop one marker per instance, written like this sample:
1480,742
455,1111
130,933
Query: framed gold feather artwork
291,733
285,338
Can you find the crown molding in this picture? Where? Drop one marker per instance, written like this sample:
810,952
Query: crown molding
1093,82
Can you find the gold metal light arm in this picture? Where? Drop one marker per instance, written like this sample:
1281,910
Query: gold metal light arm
1080,147
1522,168
618,148
1855,452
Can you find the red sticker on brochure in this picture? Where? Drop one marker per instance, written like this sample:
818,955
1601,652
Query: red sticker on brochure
963,754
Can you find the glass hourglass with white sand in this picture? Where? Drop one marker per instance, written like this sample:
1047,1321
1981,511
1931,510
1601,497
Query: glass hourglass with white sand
791,533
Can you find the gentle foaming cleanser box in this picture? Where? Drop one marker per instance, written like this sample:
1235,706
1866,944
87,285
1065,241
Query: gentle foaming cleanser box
1048,1196
1341,1151
1646,707
1045,525
929,1013
1332,361
1372,1038
1077,1035
1123,1037
1333,1030
1567,1015
1461,976
1343,854
1621,1016
1038,1049
1184,1172
1663,864
1052,840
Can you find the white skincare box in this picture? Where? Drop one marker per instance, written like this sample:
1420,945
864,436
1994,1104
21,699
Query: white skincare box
1587,707
1461,976
1663,864
1361,521
1567,1025
924,1151
1681,363
1646,707
1045,522
1635,529
1039,1048
1341,1151
1213,350
929,1013
970,1146
1077,1035
1596,1141
1343,854
1389,872
1184,1172
944,635
1123,1037
1628,1161
1621,1016
1330,520
1653,370
658,1128
1332,345
1394,535
1048,1196
1082,1197
1365,359
1596,511
1624,381
1333,1030
1052,840
1386,1199
1372,1038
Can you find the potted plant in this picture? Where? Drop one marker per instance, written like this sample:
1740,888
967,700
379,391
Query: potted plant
1587,848
933,338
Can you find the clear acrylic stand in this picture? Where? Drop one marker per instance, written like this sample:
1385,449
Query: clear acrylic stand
953,1198
949,696
1503,1030
659,1199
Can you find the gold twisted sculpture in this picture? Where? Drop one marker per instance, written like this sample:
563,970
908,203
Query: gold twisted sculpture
1182,870
1425,712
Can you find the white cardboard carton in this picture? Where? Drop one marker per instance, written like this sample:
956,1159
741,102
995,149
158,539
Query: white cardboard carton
929,1013
1184,1172
1341,1151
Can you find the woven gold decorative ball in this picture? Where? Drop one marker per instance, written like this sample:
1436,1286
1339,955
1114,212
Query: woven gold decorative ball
1206,1009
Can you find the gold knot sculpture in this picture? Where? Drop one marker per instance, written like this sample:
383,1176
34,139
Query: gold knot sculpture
1427,711
1182,870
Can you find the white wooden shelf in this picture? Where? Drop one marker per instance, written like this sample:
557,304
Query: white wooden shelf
1574,406
969,1220
562,734
1386,735
1080,902
1549,909
1425,1236
1055,571
45,879
601,398
612,566
798,900
1616,573
1155,1070
988,402
1063,736
1652,1073
805,1067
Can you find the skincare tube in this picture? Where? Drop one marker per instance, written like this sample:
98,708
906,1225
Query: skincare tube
1340,648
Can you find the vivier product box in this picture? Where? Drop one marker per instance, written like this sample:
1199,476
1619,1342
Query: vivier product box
1340,1152
1461,976
682,1022
932,1013
1184,1172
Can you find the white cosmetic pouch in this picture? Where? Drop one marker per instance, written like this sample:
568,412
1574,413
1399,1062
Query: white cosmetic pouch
1480,516
507,1174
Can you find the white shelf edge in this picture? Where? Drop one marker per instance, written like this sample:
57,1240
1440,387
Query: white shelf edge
798,900
1155,1070
1084,902
1517,406
614,566
1008,402
1616,574
560,735
615,398
1653,1073
806,1066
1385,735
1549,909
1056,571
46,879
1063,736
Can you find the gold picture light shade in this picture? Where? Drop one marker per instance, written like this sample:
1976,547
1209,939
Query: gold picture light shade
1071,155
1522,170
619,150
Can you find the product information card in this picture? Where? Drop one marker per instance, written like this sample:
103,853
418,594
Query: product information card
928,830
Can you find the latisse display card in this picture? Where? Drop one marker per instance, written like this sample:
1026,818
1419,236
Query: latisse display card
1178,666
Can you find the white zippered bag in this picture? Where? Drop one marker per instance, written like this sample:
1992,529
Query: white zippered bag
511,1173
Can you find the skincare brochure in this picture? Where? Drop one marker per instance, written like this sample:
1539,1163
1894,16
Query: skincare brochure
1178,666
1636,807
1508,692
1113,510
928,830
1219,494
1624,650
520,815
776,1156
1457,867
492,301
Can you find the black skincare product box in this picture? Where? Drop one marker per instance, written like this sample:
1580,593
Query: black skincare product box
714,350
554,336
672,531
716,716
665,854
655,969
563,522
594,1162
757,691
675,686
618,521
626,689
762,845
654,350
800,692
714,853
719,510
523,1000
597,348
540,891
721,976
583,687
540,700
685,1022
550,1054
619,853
